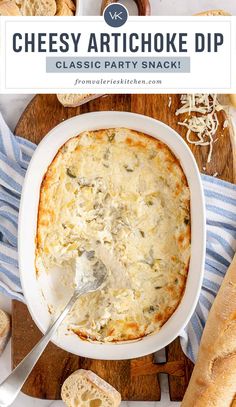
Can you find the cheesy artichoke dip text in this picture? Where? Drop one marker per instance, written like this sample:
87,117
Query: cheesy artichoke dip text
121,193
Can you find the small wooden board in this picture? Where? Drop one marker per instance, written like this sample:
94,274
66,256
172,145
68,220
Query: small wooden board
136,379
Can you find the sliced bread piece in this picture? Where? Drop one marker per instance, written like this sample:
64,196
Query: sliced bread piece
214,13
9,8
65,8
38,7
85,389
5,328
75,100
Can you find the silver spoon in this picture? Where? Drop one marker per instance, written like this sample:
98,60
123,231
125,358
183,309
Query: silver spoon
90,274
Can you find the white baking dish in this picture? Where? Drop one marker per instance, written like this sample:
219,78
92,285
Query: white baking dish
43,156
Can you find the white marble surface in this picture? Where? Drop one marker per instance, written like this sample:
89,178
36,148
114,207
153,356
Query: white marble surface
12,107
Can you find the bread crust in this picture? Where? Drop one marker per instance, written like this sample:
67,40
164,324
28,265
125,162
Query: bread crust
38,8
218,12
9,8
65,8
75,100
5,328
213,381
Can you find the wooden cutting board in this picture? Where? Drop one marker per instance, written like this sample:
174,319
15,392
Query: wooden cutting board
136,379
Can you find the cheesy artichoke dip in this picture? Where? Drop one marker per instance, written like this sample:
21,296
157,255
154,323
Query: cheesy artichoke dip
122,195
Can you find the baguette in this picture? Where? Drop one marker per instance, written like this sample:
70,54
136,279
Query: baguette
9,8
5,327
75,100
84,388
213,381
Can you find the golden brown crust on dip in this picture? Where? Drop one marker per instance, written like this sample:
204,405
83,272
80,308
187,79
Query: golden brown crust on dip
126,192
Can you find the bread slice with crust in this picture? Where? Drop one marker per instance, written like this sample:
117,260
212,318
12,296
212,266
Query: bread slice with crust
213,13
5,327
9,8
65,8
83,388
38,8
75,100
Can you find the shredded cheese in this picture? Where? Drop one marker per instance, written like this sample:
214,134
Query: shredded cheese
201,129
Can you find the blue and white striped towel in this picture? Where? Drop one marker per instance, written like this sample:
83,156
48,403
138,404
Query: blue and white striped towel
15,154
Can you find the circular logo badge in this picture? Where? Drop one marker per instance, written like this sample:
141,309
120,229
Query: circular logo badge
116,15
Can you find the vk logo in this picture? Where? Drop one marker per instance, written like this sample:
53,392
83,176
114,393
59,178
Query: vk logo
115,15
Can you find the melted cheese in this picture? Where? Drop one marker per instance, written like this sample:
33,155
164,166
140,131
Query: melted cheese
124,195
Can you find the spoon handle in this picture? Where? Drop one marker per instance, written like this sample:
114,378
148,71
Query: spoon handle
12,385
